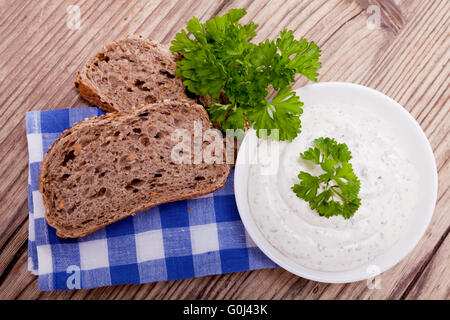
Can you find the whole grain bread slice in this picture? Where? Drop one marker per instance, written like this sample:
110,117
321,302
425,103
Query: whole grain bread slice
106,168
128,73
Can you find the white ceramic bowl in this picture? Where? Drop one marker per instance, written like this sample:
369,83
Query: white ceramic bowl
414,142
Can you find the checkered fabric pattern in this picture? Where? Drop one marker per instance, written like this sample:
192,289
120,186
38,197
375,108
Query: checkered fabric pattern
178,240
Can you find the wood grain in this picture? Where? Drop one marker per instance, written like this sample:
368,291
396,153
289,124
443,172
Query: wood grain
407,58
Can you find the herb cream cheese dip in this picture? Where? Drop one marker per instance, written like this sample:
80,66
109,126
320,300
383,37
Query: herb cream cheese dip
389,187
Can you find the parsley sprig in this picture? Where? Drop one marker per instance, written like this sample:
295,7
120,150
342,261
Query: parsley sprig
218,57
335,192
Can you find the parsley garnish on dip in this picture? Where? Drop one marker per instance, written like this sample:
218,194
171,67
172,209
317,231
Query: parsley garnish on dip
334,191
345,238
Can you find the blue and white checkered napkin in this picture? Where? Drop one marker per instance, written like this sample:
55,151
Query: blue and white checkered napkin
178,240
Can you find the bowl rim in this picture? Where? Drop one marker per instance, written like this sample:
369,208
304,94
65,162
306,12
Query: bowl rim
240,187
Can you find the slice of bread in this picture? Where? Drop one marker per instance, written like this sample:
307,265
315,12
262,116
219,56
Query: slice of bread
129,73
106,168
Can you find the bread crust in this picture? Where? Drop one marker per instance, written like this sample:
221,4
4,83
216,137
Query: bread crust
90,94
44,182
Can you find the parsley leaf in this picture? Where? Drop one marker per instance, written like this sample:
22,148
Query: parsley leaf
283,112
335,192
218,57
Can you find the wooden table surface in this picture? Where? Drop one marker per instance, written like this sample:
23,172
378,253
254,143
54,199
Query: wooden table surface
405,56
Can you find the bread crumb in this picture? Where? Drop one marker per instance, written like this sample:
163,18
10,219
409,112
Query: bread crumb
61,204
154,193
189,210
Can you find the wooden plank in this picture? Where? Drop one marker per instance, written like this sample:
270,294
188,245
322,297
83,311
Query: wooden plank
18,280
430,283
407,58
